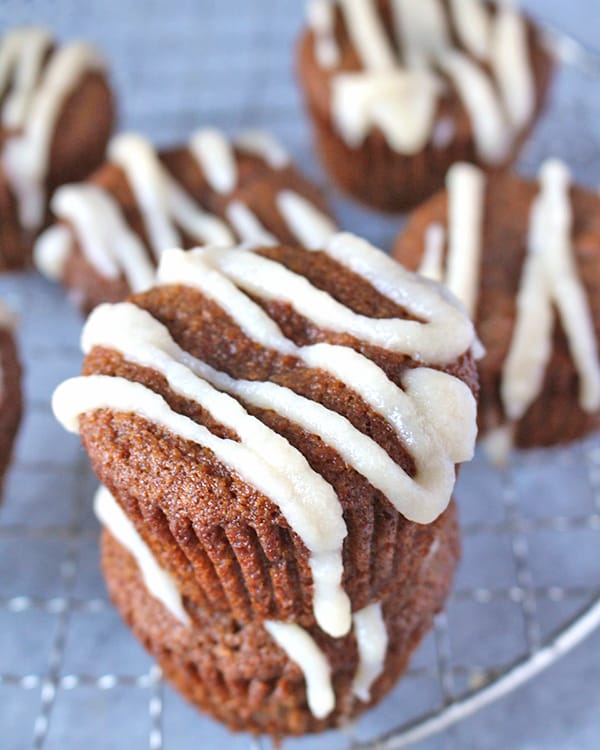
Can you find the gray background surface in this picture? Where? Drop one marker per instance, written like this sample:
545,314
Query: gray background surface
71,676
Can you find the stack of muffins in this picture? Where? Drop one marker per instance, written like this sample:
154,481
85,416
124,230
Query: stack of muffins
277,411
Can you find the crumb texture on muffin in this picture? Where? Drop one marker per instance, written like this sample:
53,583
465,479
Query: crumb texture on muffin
278,431
113,228
548,251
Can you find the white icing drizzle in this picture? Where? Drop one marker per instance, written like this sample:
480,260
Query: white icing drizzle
247,224
51,251
429,432
321,19
372,641
265,146
108,243
491,132
466,191
421,30
22,54
445,335
311,227
511,65
550,277
399,102
159,583
26,154
145,175
304,652
432,262
474,26
216,158
368,36
400,96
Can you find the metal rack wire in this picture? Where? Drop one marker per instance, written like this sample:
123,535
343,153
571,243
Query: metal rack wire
70,674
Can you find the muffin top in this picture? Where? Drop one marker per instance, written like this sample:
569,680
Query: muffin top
524,257
213,190
424,71
37,80
280,388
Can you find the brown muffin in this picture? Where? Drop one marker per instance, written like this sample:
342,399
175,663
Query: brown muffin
562,405
10,391
246,189
281,426
57,115
240,676
398,91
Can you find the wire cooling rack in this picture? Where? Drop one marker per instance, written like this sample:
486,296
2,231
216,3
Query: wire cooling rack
71,675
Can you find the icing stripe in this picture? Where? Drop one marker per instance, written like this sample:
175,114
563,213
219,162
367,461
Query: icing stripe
159,583
25,156
304,652
216,158
22,54
247,225
138,160
309,226
512,67
265,146
490,130
321,19
401,103
51,251
472,21
466,189
432,261
421,31
368,36
550,276
372,641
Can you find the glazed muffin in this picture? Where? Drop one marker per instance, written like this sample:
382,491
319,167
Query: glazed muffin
281,429
10,390
524,257
112,229
398,91
57,113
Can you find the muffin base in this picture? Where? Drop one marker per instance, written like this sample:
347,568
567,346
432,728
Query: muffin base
238,675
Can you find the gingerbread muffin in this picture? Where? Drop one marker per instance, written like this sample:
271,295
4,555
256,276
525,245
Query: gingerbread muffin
10,390
280,427
524,257
112,229
399,90
57,113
